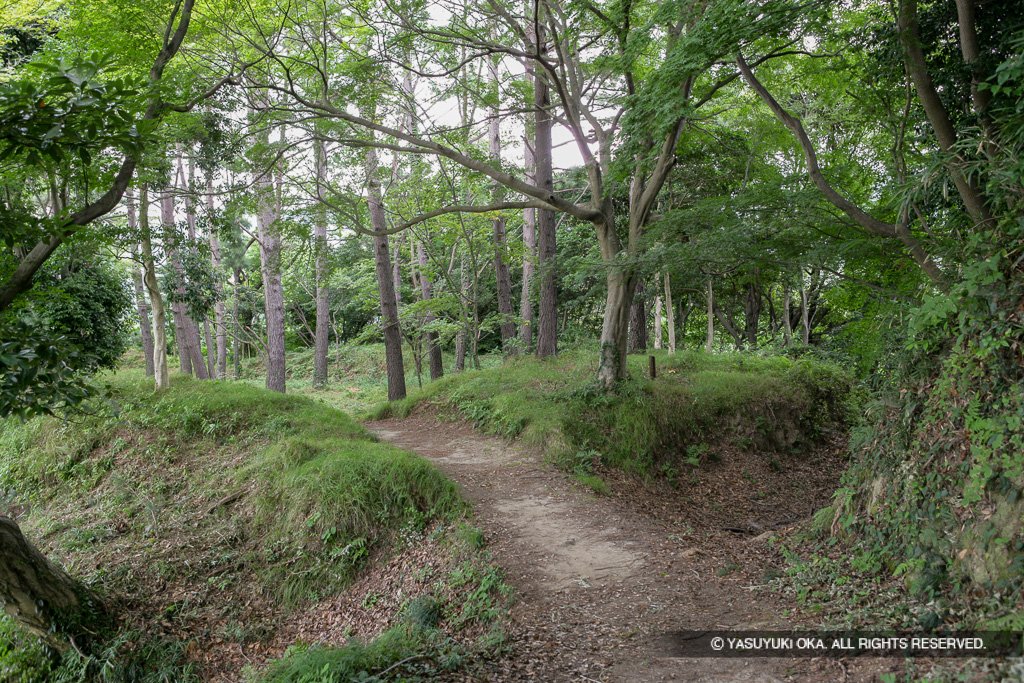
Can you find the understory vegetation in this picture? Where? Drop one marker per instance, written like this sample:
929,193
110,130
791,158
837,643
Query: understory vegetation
651,428
211,511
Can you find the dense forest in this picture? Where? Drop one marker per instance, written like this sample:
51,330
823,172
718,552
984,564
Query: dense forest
681,250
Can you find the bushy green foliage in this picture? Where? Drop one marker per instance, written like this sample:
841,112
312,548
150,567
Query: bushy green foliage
41,371
90,304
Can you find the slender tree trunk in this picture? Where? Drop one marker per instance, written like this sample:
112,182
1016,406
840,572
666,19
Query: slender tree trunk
460,338
156,302
145,329
322,342
236,337
501,270
671,315
787,323
711,318
269,237
144,325
805,317
388,304
529,261
547,324
426,288
204,366
211,350
752,312
219,313
657,315
396,262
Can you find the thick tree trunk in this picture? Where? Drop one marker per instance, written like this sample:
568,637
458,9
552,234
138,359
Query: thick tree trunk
140,296
426,289
615,330
388,304
40,596
547,324
638,320
322,342
156,302
671,315
269,237
186,333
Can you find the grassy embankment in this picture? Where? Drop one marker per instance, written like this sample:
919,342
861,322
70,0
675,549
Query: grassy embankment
697,403
210,515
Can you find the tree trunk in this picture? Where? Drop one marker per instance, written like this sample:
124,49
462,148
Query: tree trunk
787,323
805,318
461,337
269,238
711,318
501,271
211,351
388,304
752,314
156,302
615,329
529,260
657,315
322,342
426,288
186,333
219,313
737,338
236,337
638,321
396,263
145,329
40,596
671,315
547,324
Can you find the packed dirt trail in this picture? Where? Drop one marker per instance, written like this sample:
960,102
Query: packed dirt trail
600,585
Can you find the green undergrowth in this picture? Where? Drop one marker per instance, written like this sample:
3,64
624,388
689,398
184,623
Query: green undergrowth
932,505
697,402
192,502
452,628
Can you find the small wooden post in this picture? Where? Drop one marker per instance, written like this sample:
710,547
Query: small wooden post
651,368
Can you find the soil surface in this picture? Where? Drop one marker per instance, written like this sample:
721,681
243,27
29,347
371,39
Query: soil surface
604,581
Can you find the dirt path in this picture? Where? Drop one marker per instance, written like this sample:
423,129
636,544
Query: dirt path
599,583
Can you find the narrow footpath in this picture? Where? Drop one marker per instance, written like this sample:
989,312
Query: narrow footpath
600,584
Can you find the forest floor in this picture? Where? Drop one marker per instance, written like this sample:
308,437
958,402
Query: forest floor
603,581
